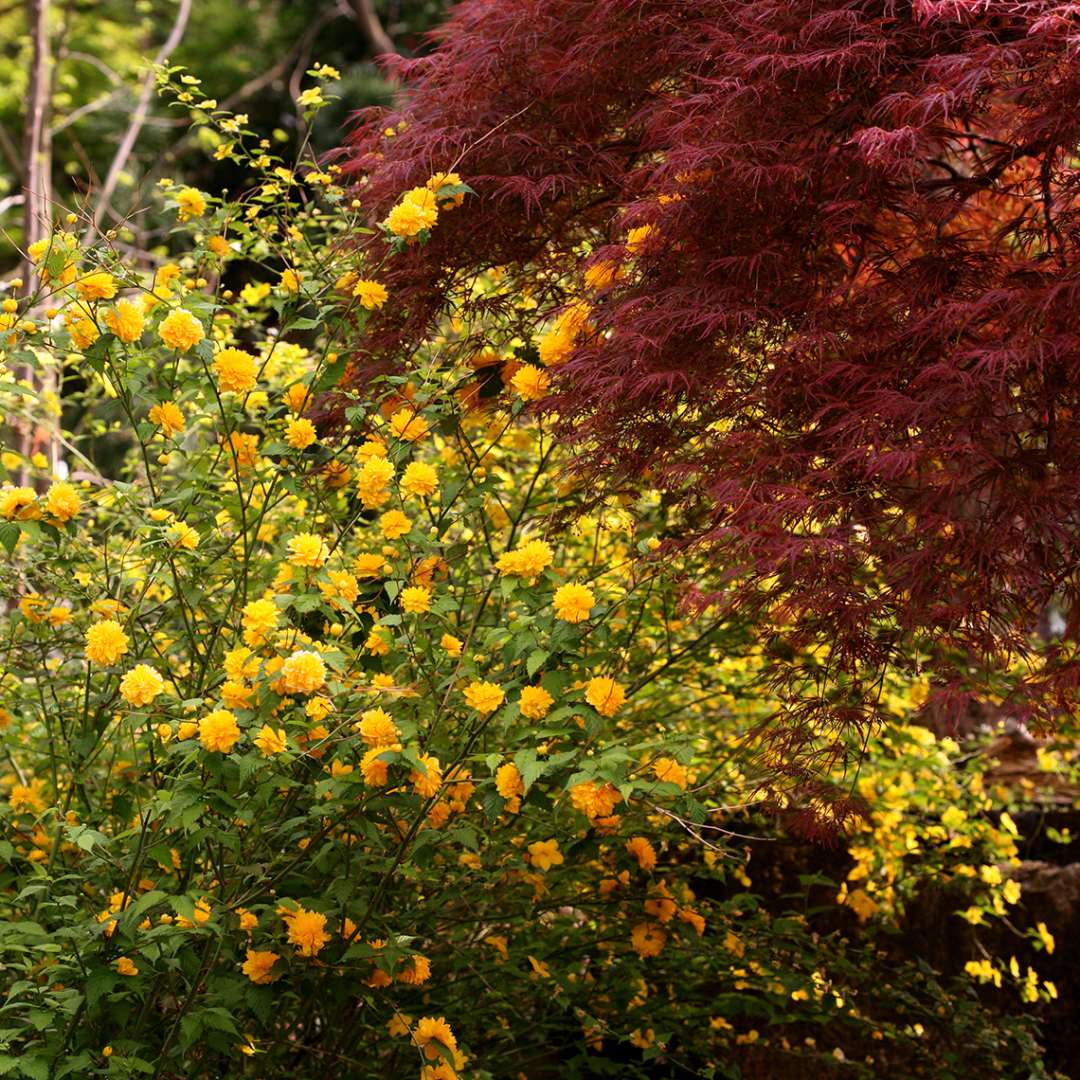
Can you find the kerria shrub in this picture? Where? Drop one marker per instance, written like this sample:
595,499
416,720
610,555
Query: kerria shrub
365,748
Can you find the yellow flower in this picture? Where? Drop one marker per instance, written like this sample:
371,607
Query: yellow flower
484,697
62,501
236,370
643,851
96,286
669,771
168,417
595,801
431,1030
270,741
18,503
601,274
219,731
529,560
544,854
303,673
508,781
372,480
451,644
297,398
374,770
257,966
124,966
141,685
419,479
311,98
393,524
1045,936
258,618
371,294
307,931
409,425
290,280
605,695
377,728
307,549
125,320
190,203
415,600
648,939
445,180
636,238
255,292
300,433
28,797
181,535
573,603
180,330
426,782
530,383
417,210
84,332
106,642
535,702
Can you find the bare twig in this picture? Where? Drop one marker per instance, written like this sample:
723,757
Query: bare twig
138,118
9,201
37,212
367,19
10,151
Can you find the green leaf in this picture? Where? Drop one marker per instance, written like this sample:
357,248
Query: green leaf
537,659
330,375
9,535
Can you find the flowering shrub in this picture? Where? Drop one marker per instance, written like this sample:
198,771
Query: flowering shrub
316,737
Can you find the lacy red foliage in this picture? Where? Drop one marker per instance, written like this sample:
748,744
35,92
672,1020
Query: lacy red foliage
850,348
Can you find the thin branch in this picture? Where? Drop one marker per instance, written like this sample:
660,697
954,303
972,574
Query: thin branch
84,110
367,19
11,151
138,117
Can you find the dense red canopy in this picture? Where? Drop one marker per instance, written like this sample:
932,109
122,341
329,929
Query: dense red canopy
850,346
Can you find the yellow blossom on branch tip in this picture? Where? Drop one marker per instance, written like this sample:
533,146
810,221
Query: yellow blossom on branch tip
62,501
307,549
168,417
219,731
408,424
180,330
106,642
258,964
141,685
371,294
535,702
270,741
307,931
605,695
573,603
300,433
484,697
303,673
190,203
544,854
236,370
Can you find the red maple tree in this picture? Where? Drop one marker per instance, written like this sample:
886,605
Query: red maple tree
848,347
